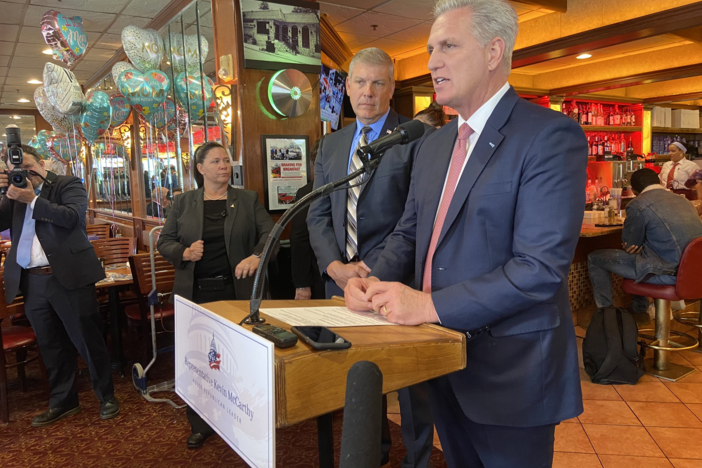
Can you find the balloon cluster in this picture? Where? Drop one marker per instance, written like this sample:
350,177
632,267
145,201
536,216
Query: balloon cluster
77,118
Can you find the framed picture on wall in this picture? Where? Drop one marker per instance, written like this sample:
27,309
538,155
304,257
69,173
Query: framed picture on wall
286,169
281,34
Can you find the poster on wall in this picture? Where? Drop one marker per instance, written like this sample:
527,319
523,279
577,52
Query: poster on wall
286,163
332,85
281,34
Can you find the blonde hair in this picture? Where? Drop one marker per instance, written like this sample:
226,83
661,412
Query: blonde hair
373,56
491,19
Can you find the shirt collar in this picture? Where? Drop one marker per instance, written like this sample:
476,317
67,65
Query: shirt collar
478,120
653,187
376,127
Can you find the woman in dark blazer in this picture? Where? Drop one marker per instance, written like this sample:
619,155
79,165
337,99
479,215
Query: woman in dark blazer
214,237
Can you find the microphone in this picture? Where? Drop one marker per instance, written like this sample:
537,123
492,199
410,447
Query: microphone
403,134
360,437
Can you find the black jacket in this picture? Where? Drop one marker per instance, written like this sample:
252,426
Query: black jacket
60,227
246,229
305,271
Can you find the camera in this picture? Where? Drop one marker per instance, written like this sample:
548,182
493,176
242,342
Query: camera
17,176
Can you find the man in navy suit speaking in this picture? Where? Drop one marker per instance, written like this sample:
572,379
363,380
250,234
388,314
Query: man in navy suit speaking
489,230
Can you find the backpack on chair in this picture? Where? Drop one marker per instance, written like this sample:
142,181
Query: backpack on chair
609,348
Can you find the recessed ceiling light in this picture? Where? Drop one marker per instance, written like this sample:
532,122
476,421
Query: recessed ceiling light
47,52
33,81
16,117
583,56
23,100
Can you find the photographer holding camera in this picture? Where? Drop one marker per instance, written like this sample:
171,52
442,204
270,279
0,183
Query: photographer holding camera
54,265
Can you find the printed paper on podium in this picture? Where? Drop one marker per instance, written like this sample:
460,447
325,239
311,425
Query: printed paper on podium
326,317
226,374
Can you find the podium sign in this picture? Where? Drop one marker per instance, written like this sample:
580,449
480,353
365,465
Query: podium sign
226,374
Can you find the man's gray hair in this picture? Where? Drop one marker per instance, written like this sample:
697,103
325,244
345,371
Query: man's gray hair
491,19
373,56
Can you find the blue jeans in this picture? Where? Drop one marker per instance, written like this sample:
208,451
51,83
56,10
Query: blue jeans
601,263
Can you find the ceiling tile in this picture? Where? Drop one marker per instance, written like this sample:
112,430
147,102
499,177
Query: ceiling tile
100,6
31,35
33,50
8,33
14,80
419,9
92,21
83,75
6,48
416,34
354,41
4,60
123,21
392,47
98,55
21,72
364,4
385,24
338,14
146,9
11,13
27,62
109,41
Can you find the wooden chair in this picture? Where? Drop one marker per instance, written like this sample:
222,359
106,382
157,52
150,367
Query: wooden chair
102,231
139,315
115,249
19,340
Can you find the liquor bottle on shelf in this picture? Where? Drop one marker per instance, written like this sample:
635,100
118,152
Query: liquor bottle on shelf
583,116
564,108
589,114
574,112
630,150
617,116
622,144
601,117
610,118
600,147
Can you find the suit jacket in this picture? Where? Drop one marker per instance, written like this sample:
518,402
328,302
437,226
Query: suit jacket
502,259
59,215
380,203
246,228
303,261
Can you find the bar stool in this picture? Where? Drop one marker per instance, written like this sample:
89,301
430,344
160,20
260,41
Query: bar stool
687,286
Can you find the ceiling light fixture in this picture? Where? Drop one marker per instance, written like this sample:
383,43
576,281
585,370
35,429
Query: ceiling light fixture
583,56
34,81
23,100
16,117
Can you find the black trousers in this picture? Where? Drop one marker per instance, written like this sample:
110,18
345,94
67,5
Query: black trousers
468,444
197,424
63,319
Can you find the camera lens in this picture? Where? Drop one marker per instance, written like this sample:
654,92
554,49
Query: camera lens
17,179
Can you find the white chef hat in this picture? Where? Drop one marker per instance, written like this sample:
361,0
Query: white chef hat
680,145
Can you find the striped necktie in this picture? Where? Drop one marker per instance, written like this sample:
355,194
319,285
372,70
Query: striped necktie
671,176
352,198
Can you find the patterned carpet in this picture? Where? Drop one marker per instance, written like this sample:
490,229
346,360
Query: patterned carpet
143,435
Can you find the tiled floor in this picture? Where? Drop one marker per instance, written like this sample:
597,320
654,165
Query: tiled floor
653,424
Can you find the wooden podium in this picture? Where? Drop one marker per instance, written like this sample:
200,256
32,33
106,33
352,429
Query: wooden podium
312,383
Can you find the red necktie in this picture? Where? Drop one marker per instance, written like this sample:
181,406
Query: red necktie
458,158
671,176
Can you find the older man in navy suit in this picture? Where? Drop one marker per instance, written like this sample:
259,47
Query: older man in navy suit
347,228
489,230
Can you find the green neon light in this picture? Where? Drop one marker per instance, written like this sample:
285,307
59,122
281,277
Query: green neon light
270,92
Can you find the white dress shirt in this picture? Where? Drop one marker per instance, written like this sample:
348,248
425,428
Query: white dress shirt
37,255
477,122
683,171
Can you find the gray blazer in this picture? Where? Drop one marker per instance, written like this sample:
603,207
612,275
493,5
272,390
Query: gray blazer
246,227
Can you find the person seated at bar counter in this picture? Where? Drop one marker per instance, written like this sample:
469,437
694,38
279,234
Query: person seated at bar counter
160,203
209,230
676,172
659,225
